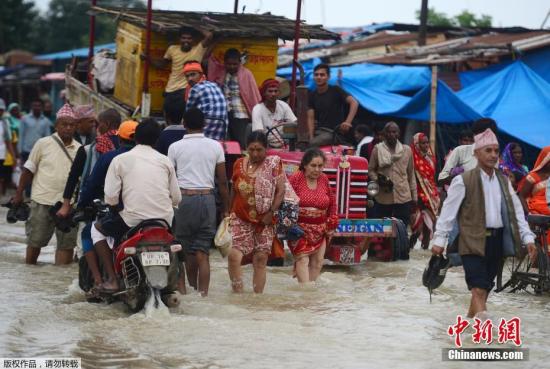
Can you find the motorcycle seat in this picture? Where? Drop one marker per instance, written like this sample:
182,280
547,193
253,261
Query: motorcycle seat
149,223
538,220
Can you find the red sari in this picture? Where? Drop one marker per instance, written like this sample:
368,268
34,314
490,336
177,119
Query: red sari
537,198
317,214
424,169
536,201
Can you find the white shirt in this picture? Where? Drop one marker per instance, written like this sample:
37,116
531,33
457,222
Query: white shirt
51,168
146,181
462,156
493,204
195,158
364,141
263,118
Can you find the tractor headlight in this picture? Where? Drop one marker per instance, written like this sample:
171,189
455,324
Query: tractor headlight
373,188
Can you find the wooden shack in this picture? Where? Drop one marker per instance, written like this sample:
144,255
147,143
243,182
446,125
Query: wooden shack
254,35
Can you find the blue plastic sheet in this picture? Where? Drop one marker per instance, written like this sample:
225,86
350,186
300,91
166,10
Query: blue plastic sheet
82,52
449,109
517,98
382,77
538,61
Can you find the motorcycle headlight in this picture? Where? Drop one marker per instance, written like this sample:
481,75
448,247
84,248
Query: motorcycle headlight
373,188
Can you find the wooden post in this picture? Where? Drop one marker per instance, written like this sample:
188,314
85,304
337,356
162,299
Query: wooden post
423,23
91,45
433,108
145,95
292,98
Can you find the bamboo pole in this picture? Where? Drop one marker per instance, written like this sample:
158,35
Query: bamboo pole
91,45
292,98
433,108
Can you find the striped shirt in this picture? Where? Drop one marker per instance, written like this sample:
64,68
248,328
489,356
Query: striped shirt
209,98
232,93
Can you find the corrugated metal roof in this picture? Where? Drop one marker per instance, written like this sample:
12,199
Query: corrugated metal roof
484,47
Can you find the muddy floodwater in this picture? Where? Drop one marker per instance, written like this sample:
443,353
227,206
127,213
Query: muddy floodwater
376,315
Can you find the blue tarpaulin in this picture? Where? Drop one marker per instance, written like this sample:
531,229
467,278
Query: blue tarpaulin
79,53
517,98
449,109
538,61
373,99
382,77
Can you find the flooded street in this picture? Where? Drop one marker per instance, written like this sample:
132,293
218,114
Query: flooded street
372,316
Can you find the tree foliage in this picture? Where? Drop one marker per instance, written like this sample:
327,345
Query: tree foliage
464,19
467,19
17,18
65,25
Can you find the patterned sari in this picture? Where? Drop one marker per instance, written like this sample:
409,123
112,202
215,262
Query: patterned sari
537,199
536,202
424,169
317,214
254,193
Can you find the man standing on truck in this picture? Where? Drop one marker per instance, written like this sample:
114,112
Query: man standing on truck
208,98
326,110
241,92
177,55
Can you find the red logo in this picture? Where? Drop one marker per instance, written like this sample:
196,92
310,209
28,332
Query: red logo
508,331
457,329
483,331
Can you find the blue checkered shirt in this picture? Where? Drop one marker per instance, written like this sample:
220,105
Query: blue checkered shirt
209,98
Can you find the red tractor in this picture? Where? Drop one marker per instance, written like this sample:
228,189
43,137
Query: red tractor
348,175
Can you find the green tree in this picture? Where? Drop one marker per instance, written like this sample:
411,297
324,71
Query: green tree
66,24
464,19
436,18
17,18
467,19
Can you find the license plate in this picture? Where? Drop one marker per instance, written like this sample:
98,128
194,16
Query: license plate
372,227
155,258
347,255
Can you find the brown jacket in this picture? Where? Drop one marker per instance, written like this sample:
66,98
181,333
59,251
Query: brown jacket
401,172
471,217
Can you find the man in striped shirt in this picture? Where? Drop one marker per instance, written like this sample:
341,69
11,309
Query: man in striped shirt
208,98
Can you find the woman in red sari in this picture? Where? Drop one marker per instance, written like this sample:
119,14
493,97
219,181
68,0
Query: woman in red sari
428,196
257,192
317,216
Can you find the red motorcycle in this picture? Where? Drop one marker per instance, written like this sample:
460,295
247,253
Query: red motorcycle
146,263
357,233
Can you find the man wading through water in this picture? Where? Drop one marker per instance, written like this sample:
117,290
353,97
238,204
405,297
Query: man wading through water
199,162
490,219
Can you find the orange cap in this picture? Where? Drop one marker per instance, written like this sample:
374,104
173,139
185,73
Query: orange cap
192,67
127,129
